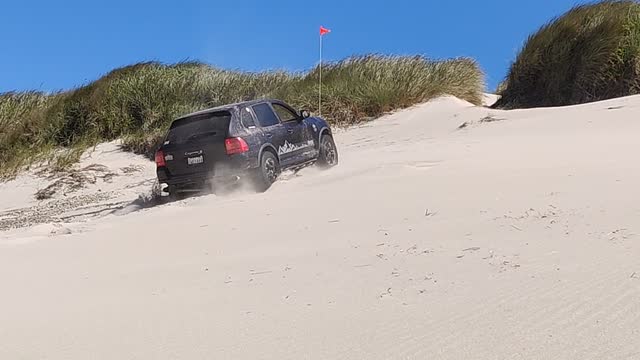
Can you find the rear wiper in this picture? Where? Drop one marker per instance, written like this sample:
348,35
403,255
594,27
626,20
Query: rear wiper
201,135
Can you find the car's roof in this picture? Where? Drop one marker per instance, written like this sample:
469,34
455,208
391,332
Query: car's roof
229,107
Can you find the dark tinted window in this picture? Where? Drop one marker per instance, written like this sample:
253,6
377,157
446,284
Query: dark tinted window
198,127
266,116
247,118
284,114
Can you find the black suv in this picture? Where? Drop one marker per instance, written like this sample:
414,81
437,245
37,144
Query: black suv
253,140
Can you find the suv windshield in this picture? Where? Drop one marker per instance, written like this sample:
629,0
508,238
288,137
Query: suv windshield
199,127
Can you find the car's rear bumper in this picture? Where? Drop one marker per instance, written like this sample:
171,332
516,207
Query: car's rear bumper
165,177
229,172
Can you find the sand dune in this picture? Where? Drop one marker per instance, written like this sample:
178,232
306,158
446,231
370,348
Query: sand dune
448,231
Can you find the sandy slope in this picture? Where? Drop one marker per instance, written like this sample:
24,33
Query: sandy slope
514,237
105,179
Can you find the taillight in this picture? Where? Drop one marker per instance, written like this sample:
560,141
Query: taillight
160,158
235,145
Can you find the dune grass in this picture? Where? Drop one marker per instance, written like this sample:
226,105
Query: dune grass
138,102
590,53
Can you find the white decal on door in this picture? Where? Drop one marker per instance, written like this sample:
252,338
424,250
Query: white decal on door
289,147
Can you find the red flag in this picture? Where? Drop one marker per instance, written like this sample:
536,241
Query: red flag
324,30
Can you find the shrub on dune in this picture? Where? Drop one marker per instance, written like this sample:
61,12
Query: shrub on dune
363,87
137,103
590,53
22,120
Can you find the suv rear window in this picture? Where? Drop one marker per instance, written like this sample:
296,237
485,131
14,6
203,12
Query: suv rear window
246,118
198,127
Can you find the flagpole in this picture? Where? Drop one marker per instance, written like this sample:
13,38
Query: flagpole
320,81
323,31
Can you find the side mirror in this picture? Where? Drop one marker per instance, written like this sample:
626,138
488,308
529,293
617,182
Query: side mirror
305,114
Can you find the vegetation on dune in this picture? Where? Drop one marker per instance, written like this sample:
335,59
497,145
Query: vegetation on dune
590,53
138,102
359,88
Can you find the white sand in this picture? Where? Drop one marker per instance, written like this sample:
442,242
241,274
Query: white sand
490,99
510,239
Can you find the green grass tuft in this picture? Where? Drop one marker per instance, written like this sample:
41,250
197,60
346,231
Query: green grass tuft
590,53
137,103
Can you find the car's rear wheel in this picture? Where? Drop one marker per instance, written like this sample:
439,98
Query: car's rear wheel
328,156
268,171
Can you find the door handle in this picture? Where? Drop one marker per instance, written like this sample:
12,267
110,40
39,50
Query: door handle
268,135
290,131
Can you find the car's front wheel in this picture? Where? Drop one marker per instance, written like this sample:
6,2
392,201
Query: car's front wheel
328,156
267,173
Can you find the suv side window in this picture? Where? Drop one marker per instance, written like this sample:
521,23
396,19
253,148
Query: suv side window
266,116
247,118
284,113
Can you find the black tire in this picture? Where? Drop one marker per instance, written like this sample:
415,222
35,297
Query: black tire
328,156
267,173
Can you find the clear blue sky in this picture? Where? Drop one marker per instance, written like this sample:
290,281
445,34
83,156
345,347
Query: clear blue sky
50,45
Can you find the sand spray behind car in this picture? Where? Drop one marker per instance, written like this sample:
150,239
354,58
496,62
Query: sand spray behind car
240,185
